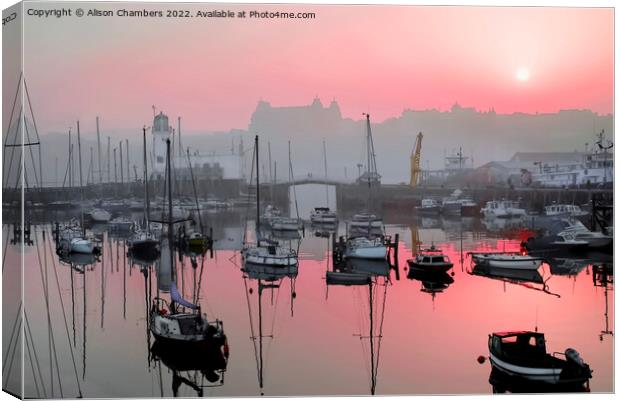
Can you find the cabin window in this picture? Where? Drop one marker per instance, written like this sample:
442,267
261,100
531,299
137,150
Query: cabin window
426,259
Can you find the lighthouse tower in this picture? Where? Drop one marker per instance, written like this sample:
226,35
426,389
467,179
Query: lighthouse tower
161,133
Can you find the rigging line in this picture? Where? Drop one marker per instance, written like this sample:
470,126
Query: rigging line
64,315
49,321
6,246
49,316
34,376
19,123
19,310
290,165
380,331
12,355
36,358
8,129
34,167
36,130
247,297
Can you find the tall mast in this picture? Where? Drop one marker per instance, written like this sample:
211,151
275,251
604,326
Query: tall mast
257,189
180,145
120,158
109,169
70,160
325,164
127,153
170,221
146,185
81,189
99,150
191,172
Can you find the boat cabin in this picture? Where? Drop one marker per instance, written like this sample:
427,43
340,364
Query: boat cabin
520,344
554,209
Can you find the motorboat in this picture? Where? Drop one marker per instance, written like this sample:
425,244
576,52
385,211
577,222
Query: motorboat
71,239
523,354
431,259
366,221
564,210
285,224
323,215
502,260
428,207
271,212
99,215
570,235
364,248
502,209
271,254
120,224
451,206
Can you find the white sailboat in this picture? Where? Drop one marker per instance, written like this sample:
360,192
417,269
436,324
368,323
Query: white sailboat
266,252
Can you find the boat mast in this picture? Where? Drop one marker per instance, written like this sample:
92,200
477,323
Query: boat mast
81,189
257,191
70,161
99,150
146,185
191,172
170,221
325,165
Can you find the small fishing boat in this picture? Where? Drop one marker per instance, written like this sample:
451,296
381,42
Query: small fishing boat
502,209
347,278
506,260
428,207
524,354
431,259
364,248
323,215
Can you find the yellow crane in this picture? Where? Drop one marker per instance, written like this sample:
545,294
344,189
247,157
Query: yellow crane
415,161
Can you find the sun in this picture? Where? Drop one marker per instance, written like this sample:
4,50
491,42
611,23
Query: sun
522,74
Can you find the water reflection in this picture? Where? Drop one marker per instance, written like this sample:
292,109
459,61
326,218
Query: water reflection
106,300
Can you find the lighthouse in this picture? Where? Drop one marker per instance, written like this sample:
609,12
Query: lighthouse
161,133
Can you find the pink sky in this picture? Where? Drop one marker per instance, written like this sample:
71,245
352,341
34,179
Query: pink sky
369,58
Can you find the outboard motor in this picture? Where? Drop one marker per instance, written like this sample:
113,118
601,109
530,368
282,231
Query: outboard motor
576,369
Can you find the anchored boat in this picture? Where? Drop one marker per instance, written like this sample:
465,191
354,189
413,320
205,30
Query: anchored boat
431,259
524,354
506,261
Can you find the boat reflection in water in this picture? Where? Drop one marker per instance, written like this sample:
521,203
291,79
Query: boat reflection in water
268,278
374,274
524,278
432,283
202,368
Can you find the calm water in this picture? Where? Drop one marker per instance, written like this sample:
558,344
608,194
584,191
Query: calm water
317,339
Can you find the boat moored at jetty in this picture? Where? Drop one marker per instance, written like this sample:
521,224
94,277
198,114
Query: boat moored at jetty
506,260
502,209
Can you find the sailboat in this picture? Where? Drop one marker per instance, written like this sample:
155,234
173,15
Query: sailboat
181,324
72,237
323,215
264,251
366,221
144,243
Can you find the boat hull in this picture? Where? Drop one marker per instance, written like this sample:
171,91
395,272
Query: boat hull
430,267
374,253
81,246
507,263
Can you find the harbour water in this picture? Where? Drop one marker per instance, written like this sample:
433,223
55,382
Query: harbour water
87,332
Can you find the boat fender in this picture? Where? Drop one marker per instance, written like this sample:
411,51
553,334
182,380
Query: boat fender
574,357
226,349
481,359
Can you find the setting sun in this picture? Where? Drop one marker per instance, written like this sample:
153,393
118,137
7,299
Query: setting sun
523,74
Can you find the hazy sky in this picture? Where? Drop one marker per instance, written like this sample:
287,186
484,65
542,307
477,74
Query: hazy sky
378,59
